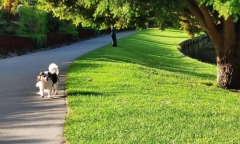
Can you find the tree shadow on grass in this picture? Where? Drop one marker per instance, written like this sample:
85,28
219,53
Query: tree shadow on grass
92,93
164,36
178,68
84,65
84,93
164,33
160,57
152,42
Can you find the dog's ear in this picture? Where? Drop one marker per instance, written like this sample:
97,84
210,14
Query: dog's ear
41,74
38,78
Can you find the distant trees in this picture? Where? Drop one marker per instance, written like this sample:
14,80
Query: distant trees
10,6
23,17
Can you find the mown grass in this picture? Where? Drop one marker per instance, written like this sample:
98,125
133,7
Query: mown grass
146,91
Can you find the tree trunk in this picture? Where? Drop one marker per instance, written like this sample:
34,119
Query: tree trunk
225,36
228,72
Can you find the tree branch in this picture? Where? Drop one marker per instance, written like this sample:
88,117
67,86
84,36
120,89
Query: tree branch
208,18
203,16
193,7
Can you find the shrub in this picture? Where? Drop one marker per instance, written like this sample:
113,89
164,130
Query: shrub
8,23
33,26
68,28
32,21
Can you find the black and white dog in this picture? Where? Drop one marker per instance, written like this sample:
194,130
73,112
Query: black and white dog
48,81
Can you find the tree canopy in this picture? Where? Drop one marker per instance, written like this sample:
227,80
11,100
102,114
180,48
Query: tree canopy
118,13
123,13
225,8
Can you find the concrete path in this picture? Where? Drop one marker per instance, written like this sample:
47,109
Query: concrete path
25,117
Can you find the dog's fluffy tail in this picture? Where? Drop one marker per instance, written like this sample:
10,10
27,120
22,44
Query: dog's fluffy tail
53,68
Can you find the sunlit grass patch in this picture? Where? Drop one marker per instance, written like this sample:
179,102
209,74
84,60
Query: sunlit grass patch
146,91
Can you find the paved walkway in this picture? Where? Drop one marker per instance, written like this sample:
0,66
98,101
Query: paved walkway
25,117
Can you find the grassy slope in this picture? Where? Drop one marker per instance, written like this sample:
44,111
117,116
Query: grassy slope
146,91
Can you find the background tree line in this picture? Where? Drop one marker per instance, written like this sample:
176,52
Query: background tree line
48,25
22,18
25,27
35,18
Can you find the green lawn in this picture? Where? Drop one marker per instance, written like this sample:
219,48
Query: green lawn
145,91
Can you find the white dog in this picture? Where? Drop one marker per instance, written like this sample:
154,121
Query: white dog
48,80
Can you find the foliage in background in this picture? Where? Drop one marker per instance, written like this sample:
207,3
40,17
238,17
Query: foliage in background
66,27
106,14
10,6
53,23
29,22
33,24
9,17
189,24
2,22
32,21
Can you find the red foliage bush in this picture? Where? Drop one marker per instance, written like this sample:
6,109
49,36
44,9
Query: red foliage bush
14,44
56,39
86,33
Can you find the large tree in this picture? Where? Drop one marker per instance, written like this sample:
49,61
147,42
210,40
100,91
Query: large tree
219,18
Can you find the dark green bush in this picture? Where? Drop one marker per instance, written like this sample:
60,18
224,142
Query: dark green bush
33,25
32,21
67,27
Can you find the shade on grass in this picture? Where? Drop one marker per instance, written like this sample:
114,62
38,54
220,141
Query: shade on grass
146,91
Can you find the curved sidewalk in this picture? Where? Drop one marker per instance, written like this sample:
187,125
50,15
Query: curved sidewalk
25,117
